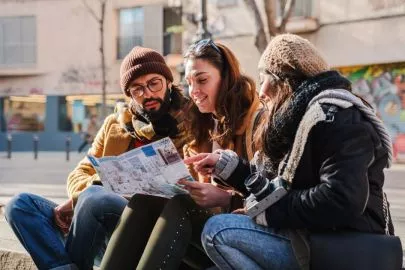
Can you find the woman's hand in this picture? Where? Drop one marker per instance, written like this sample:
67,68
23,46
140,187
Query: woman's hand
241,211
206,195
203,163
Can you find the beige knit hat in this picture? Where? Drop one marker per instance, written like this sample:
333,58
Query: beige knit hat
141,61
289,56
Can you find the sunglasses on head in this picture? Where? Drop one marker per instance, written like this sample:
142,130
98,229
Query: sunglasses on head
207,42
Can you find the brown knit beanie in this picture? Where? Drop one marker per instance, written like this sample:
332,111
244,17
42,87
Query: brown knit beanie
141,61
292,57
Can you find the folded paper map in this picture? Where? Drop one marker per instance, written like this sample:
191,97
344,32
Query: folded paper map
152,169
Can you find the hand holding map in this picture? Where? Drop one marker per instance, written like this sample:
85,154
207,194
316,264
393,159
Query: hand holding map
153,169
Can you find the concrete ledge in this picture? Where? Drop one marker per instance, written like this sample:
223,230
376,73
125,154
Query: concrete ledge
12,260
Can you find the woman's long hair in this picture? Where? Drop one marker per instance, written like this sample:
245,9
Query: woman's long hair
236,95
287,89
278,104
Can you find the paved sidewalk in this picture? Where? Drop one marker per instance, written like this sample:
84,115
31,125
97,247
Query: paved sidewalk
47,176
22,173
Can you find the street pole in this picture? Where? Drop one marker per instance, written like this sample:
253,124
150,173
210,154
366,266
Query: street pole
9,145
202,31
68,140
35,140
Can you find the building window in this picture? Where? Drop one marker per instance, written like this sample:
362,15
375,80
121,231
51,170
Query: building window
131,30
172,37
302,8
24,113
17,41
75,112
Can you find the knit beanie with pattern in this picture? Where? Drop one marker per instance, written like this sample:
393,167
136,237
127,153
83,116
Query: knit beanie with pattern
292,58
141,61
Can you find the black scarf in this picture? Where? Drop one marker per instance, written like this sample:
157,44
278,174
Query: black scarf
279,138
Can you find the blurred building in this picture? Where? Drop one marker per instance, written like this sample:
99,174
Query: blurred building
364,39
50,75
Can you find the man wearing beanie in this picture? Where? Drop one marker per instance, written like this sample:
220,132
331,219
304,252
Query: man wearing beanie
72,235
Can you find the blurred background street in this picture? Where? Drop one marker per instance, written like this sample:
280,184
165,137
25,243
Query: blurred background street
54,83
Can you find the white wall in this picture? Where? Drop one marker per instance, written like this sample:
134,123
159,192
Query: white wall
68,43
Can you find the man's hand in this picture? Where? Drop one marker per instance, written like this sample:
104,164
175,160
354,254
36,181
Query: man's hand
63,214
206,195
241,211
203,163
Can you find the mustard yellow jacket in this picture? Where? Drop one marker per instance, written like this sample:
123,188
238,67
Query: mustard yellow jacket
112,139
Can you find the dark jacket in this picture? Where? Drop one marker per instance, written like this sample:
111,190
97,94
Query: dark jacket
338,182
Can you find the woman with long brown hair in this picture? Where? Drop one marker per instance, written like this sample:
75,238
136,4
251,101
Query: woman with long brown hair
156,233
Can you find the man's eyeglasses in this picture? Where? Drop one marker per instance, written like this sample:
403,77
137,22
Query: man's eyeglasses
154,85
207,42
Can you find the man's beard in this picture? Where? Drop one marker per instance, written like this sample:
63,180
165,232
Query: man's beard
154,115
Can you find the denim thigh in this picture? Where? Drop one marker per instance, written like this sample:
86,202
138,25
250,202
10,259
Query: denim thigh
237,242
32,219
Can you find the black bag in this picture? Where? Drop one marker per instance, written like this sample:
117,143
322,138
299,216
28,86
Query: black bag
355,250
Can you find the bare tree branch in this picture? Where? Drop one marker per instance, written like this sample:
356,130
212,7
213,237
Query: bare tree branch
100,20
288,9
91,11
102,58
269,8
260,35
281,6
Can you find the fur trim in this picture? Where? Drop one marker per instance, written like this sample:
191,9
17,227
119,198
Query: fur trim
313,116
368,113
338,102
123,114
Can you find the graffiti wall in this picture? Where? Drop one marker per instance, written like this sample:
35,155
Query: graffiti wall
383,86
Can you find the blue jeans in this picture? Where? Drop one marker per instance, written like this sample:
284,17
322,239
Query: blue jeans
237,242
95,216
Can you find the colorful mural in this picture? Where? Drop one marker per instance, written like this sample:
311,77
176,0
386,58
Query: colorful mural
383,86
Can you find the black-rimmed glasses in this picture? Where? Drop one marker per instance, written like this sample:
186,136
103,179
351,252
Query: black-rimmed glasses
154,85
